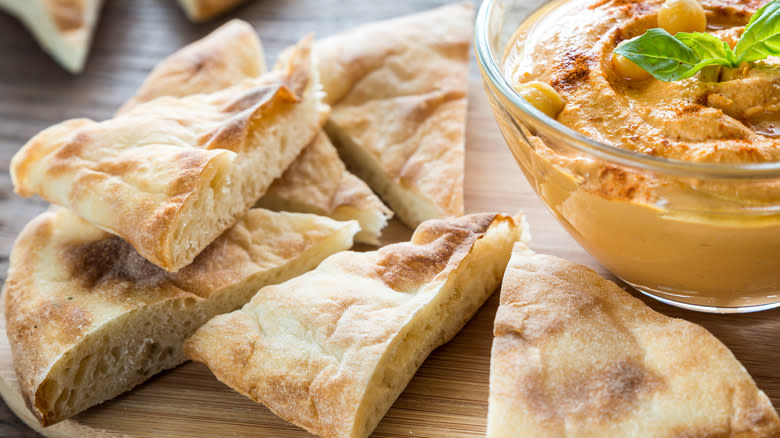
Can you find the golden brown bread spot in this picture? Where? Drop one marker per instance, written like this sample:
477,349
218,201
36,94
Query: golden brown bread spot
359,66
63,316
434,229
258,96
191,161
228,135
231,135
532,326
436,243
427,106
403,271
68,317
609,391
68,14
70,150
112,260
204,61
600,394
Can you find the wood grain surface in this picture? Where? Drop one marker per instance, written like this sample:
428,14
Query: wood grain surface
448,396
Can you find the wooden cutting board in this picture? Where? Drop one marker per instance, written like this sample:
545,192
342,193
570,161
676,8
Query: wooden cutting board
448,396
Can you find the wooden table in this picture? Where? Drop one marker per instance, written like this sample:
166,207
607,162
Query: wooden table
134,35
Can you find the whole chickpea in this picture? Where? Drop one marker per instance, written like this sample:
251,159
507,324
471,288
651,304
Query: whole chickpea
627,69
682,16
542,96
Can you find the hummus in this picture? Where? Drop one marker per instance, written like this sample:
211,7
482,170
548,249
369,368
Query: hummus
695,241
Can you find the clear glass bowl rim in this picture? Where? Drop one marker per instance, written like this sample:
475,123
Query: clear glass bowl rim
491,69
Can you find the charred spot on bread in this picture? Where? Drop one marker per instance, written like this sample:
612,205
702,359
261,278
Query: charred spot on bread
111,260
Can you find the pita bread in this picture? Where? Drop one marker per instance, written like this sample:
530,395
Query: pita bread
171,175
397,90
317,181
88,318
227,56
576,356
62,27
331,350
202,10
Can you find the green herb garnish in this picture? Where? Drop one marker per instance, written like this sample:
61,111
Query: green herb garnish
671,58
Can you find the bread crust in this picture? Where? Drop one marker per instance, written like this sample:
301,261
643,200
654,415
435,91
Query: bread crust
69,284
574,356
152,173
398,90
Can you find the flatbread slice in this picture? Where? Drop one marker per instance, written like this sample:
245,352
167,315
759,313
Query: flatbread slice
62,27
576,356
331,350
397,90
203,10
317,181
88,318
169,176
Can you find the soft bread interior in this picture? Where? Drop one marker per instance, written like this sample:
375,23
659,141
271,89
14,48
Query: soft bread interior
371,221
411,207
225,197
447,310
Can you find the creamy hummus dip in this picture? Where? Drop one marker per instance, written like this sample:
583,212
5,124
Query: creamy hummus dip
728,121
694,241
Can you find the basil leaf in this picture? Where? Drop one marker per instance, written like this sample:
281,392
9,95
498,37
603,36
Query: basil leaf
665,57
707,46
762,35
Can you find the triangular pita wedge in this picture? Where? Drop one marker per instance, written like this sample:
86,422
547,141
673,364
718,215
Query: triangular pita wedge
317,181
202,10
576,356
331,350
171,175
88,318
62,27
398,95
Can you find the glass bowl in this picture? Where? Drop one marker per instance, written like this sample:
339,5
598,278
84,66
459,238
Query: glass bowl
700,236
